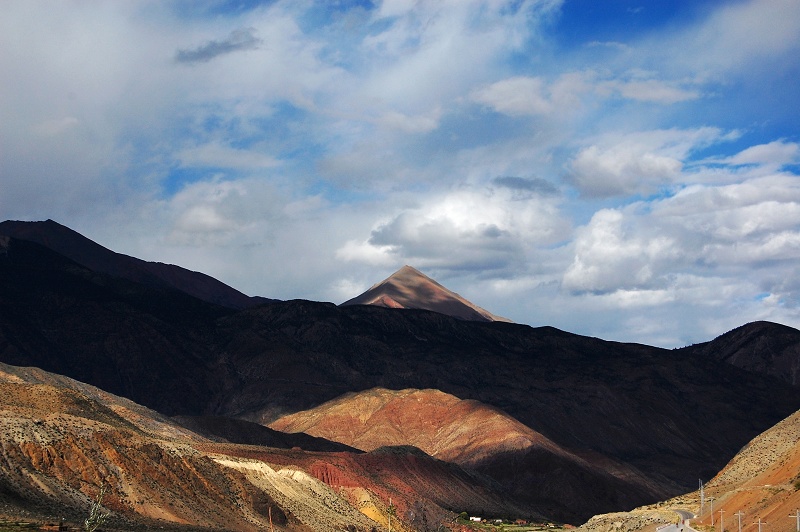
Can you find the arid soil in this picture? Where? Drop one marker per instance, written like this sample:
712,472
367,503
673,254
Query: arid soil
762,482
63,441
471,434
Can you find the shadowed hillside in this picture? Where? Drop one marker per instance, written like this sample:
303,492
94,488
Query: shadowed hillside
673,415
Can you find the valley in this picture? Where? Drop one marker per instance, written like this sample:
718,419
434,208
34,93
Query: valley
207,410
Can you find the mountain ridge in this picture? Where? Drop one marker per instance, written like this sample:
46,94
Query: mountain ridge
605,401
98,258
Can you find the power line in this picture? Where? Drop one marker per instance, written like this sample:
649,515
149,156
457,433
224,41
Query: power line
740,514
711,499
702,496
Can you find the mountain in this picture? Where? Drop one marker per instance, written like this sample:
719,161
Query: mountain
409,288
759,347
762,482
672,415
88,253
473,435
63,441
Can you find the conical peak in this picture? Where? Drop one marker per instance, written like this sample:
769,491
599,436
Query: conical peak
409,288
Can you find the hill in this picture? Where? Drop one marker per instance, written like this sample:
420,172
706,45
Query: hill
762,482
63,441
408,288
473,435
97,258
760,347
673,415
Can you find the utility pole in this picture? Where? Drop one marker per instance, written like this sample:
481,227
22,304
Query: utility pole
760,522
702,496
711,499
740,514
721,521
797,516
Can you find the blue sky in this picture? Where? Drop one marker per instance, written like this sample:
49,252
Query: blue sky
620,169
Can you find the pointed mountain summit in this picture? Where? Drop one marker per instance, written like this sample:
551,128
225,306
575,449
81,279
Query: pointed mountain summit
411,289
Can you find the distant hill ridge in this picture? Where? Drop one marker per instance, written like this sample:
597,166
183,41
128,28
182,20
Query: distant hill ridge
86,252
408,288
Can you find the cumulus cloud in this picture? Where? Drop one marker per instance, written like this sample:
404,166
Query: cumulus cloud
239,40
636,163
749,229
471,229
334,145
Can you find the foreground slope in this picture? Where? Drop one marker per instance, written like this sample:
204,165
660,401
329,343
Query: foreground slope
762,482
62,441
671,414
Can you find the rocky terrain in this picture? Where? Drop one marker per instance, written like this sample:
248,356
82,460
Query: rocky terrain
762,482
471,434
64,441
628,410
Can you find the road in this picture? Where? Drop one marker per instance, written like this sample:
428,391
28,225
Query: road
683,526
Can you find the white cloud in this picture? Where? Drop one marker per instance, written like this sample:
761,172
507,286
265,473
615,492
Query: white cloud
776,153
636,163
517,96
622,170
739,35
475,229
612,253
745,230
411,124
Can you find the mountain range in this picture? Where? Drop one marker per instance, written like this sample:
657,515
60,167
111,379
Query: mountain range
527,420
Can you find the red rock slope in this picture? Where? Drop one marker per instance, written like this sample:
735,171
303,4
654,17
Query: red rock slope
409,288
62,440
560,483
442,425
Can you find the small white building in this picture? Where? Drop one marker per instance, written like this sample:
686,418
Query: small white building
476,519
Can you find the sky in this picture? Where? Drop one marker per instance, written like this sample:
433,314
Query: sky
625,169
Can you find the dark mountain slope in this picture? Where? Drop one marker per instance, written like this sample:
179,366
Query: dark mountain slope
673,415
88,253
229,430
759,347
144,343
